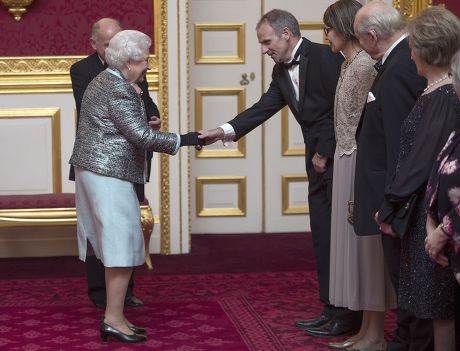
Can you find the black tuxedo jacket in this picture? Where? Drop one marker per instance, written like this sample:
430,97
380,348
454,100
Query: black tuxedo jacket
395,89
319,70
83,72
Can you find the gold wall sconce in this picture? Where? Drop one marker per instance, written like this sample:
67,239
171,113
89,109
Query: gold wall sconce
17,7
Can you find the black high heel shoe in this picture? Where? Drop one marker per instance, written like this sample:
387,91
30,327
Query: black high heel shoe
137,330
107,330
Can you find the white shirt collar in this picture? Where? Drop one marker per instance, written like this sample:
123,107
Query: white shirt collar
390,49
295,50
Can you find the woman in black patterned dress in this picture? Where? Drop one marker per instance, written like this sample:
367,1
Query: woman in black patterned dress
442,243
425,288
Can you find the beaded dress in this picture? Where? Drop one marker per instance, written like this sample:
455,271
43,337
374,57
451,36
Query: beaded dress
425,288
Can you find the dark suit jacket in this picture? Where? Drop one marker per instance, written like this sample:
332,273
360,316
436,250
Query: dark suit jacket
319,70
395,88
83,72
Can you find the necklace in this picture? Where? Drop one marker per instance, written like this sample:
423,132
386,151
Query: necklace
444,77
348,63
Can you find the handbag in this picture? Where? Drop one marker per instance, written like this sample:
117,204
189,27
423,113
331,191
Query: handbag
403,216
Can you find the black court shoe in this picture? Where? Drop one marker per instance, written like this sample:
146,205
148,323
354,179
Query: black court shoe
137,330
107,330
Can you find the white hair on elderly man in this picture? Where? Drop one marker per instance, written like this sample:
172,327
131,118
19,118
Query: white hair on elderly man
127,45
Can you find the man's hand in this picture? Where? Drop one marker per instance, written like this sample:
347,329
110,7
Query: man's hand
385,228
319,163
155,123
212,135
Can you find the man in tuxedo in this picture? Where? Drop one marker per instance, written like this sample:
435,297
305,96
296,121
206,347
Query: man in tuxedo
380,30
304,77
82,73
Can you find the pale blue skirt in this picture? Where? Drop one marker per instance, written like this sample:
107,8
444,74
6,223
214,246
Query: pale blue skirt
108,216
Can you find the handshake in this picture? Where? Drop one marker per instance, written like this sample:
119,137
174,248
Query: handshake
201,138
197,139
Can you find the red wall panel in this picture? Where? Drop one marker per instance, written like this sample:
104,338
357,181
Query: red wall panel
452,5
62,28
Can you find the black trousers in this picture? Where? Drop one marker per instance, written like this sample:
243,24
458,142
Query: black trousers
411,334
320,202
95,273
320,205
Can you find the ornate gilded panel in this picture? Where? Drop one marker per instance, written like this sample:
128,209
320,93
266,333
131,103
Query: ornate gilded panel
411,8
47,74
50,74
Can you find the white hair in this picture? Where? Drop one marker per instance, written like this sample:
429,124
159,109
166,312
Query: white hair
381,17
127,45
455,69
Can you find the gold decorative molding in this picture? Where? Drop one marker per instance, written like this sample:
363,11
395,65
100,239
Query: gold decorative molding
202,211
411,8
287,150
239,28
54,115
32,217
161,17
17,7
240,93
48,74
285,181
314,25
147,223
189,153
311,25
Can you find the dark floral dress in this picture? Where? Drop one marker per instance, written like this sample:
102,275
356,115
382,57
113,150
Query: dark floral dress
443,195
425,288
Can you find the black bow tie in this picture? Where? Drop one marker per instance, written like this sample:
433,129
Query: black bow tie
295,61
378,65
290,64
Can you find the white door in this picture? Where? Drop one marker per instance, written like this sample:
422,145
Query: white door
225,78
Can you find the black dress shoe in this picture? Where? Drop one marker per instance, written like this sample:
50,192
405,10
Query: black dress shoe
314,323
107,330
334,327
133,301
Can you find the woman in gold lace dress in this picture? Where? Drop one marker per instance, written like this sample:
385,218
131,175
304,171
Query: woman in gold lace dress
358,280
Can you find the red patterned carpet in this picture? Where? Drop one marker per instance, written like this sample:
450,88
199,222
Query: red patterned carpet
183,312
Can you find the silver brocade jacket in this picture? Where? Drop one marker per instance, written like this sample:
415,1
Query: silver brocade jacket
113,133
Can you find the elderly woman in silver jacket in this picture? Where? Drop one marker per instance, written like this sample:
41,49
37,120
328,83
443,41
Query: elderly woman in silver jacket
109,156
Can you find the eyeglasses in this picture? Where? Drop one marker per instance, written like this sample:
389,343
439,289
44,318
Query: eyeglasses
327,30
